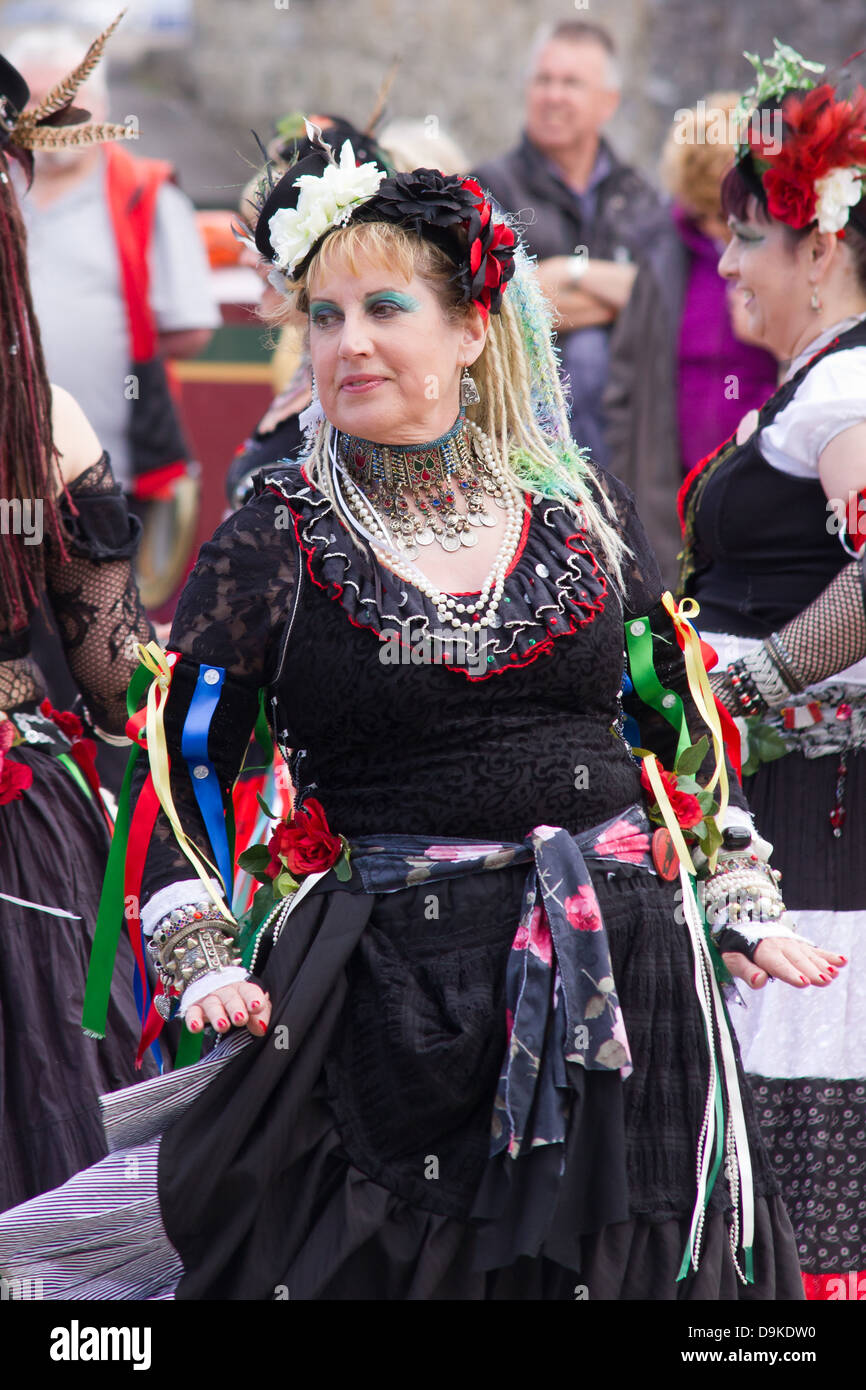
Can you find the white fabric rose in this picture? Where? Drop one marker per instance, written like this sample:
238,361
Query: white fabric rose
323,202
837,193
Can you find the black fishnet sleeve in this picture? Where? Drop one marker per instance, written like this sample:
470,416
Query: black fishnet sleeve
826,637
94,595
231,614
642,591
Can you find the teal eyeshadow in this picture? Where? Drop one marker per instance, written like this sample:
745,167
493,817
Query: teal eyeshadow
403,301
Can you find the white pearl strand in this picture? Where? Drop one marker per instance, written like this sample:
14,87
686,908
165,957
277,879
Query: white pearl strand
449,609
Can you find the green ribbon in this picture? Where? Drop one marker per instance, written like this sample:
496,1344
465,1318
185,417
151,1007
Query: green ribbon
188,1049
263,730
109,920
648,687
76,774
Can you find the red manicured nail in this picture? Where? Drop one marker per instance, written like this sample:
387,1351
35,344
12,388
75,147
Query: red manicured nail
256,1004
844,959
756,976
263,1025
194,1026
238,1018
805,981
222,1023
825,978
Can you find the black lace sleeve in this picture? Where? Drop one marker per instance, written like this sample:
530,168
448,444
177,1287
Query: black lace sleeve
94,596
230,615
642,592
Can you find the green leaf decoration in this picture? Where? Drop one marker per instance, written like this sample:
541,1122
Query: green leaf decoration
706,802
271,815
688,784
768,743
342,870
713,840
255,859
284,884
262,904
691,758
701,831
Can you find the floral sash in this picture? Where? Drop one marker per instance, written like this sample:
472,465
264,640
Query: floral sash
561,995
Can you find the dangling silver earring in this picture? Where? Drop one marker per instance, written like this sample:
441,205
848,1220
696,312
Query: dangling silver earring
310,419
815,301
468,390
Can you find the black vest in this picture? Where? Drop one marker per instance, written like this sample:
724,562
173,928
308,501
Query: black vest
764,544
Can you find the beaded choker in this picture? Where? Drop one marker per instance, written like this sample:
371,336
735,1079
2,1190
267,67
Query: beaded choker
447,482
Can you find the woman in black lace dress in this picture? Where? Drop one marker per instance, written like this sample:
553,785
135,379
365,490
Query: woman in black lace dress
488,1069
67,536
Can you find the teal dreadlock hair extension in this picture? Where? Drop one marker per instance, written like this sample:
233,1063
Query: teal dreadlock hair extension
542,455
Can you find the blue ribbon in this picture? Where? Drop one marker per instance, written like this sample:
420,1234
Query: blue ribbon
193,746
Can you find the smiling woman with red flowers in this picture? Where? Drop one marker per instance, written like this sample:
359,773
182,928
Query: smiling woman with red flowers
498,982
771,518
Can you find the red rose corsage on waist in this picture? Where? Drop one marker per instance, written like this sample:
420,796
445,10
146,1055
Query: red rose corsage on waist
301,844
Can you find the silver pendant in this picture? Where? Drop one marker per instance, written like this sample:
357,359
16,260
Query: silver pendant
473,518
501,502
449,542
468,538
487,519
425,537
410,552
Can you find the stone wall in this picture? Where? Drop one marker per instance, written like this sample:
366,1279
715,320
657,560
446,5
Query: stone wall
463,60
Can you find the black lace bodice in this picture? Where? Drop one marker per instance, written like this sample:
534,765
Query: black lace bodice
280,597
94,598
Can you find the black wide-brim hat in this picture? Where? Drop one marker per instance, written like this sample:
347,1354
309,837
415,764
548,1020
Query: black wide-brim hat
14,96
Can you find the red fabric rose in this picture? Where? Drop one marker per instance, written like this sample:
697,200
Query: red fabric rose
686,807
14,779
790,197
305,845
67,722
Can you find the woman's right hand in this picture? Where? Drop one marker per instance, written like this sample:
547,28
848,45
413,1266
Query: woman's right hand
244,1004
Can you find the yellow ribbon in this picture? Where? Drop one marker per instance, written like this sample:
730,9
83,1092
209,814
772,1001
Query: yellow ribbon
702,694
650,762
154,658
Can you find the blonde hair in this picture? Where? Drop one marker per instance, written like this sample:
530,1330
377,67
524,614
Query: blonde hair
533,455
698,152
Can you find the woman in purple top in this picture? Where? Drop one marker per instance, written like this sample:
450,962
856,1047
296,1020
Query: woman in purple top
720,372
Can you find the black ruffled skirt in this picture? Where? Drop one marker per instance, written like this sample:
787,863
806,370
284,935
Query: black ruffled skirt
344,1156
53,849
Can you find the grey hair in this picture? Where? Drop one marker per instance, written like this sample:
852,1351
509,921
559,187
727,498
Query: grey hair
55,47
578,31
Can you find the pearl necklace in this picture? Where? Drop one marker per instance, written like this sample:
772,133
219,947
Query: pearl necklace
448,608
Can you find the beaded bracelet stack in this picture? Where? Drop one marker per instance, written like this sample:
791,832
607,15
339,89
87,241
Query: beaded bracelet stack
745,690
189,943
743,889
763,680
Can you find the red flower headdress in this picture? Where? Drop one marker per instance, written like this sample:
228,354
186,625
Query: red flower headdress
318,194
818,173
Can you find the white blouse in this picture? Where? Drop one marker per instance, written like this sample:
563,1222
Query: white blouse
830,399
